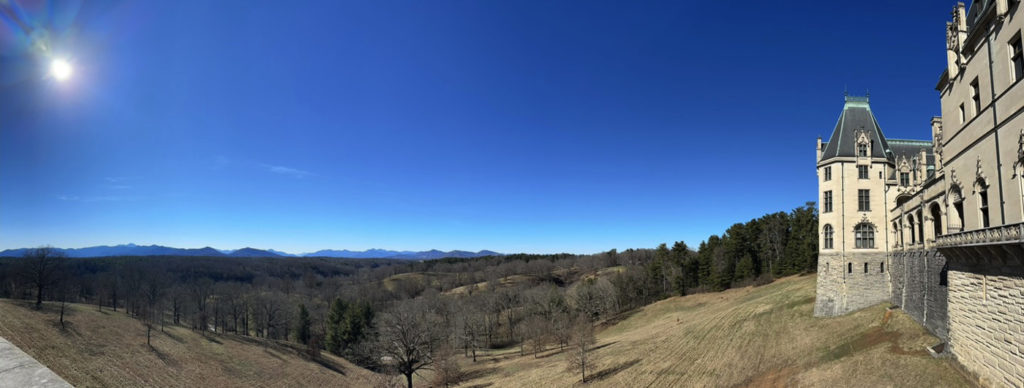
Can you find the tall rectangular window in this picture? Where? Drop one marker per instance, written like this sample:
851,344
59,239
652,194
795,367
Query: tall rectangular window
862,172
983,199
904,179
1016,59
975,97
826,203
962,116
828,173
862,150
863,200
865,267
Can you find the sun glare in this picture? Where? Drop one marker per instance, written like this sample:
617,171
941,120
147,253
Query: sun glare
60,69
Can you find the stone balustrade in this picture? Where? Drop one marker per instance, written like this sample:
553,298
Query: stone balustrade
1003,234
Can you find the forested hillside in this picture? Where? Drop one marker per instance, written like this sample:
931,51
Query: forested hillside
364,309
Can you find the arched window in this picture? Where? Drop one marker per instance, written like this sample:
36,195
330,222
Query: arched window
936,219
864,236
983,207
828,234
956,220
913,236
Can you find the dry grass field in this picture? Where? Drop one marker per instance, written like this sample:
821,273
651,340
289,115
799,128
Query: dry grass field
755,336
107,349
429,279
505,282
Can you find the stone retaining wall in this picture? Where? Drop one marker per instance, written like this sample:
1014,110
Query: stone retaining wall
920,288
986,319
844,285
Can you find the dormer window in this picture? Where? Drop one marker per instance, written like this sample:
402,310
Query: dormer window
904,179
862,150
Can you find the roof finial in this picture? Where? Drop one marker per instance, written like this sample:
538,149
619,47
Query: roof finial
846,91
867,93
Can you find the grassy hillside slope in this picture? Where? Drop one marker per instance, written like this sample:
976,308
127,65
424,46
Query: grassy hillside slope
763,336
109,349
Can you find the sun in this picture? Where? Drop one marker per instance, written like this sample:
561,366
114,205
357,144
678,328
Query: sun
60,69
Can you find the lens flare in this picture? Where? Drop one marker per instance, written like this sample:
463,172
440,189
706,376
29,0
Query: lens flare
60,69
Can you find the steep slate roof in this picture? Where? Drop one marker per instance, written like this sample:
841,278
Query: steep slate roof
911,149
856,115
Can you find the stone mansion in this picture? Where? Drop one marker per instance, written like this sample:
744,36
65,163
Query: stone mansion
936,226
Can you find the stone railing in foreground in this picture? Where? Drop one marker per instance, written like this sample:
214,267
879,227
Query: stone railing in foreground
1004,234
18,370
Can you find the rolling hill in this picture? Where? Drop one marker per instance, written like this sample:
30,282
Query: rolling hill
755,336
109,349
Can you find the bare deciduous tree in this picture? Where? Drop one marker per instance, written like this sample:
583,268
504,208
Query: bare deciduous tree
581,356
41,269
408,338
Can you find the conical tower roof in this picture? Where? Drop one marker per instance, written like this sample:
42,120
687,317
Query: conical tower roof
856,116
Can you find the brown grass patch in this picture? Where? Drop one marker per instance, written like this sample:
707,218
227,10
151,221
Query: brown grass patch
756,336
107,349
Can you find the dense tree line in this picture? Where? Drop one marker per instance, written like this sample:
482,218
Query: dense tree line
402,316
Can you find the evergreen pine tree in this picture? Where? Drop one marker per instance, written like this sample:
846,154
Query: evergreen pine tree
302,328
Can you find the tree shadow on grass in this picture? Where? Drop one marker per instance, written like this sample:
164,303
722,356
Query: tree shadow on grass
620,317
611,371
272,354
554,353
174,337
329,365
604,345
479,373
67,329
166,359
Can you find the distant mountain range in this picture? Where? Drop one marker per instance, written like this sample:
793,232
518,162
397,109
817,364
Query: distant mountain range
158,250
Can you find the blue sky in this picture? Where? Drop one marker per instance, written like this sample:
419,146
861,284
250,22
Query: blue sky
506,125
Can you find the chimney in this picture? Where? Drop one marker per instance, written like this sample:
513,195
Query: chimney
819,149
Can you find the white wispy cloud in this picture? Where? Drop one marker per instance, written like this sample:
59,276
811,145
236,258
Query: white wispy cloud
98,198
293,172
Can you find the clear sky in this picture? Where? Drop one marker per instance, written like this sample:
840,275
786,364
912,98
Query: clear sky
515,126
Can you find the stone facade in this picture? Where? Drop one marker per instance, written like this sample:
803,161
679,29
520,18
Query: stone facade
856,170
852,285
954,213
920,287
987,323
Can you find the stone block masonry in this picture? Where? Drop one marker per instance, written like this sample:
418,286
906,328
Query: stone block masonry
920,288
986,320
849,282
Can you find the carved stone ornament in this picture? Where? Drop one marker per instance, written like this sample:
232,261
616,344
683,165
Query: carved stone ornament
981,180
951,33
954,193
904,164
1020,148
